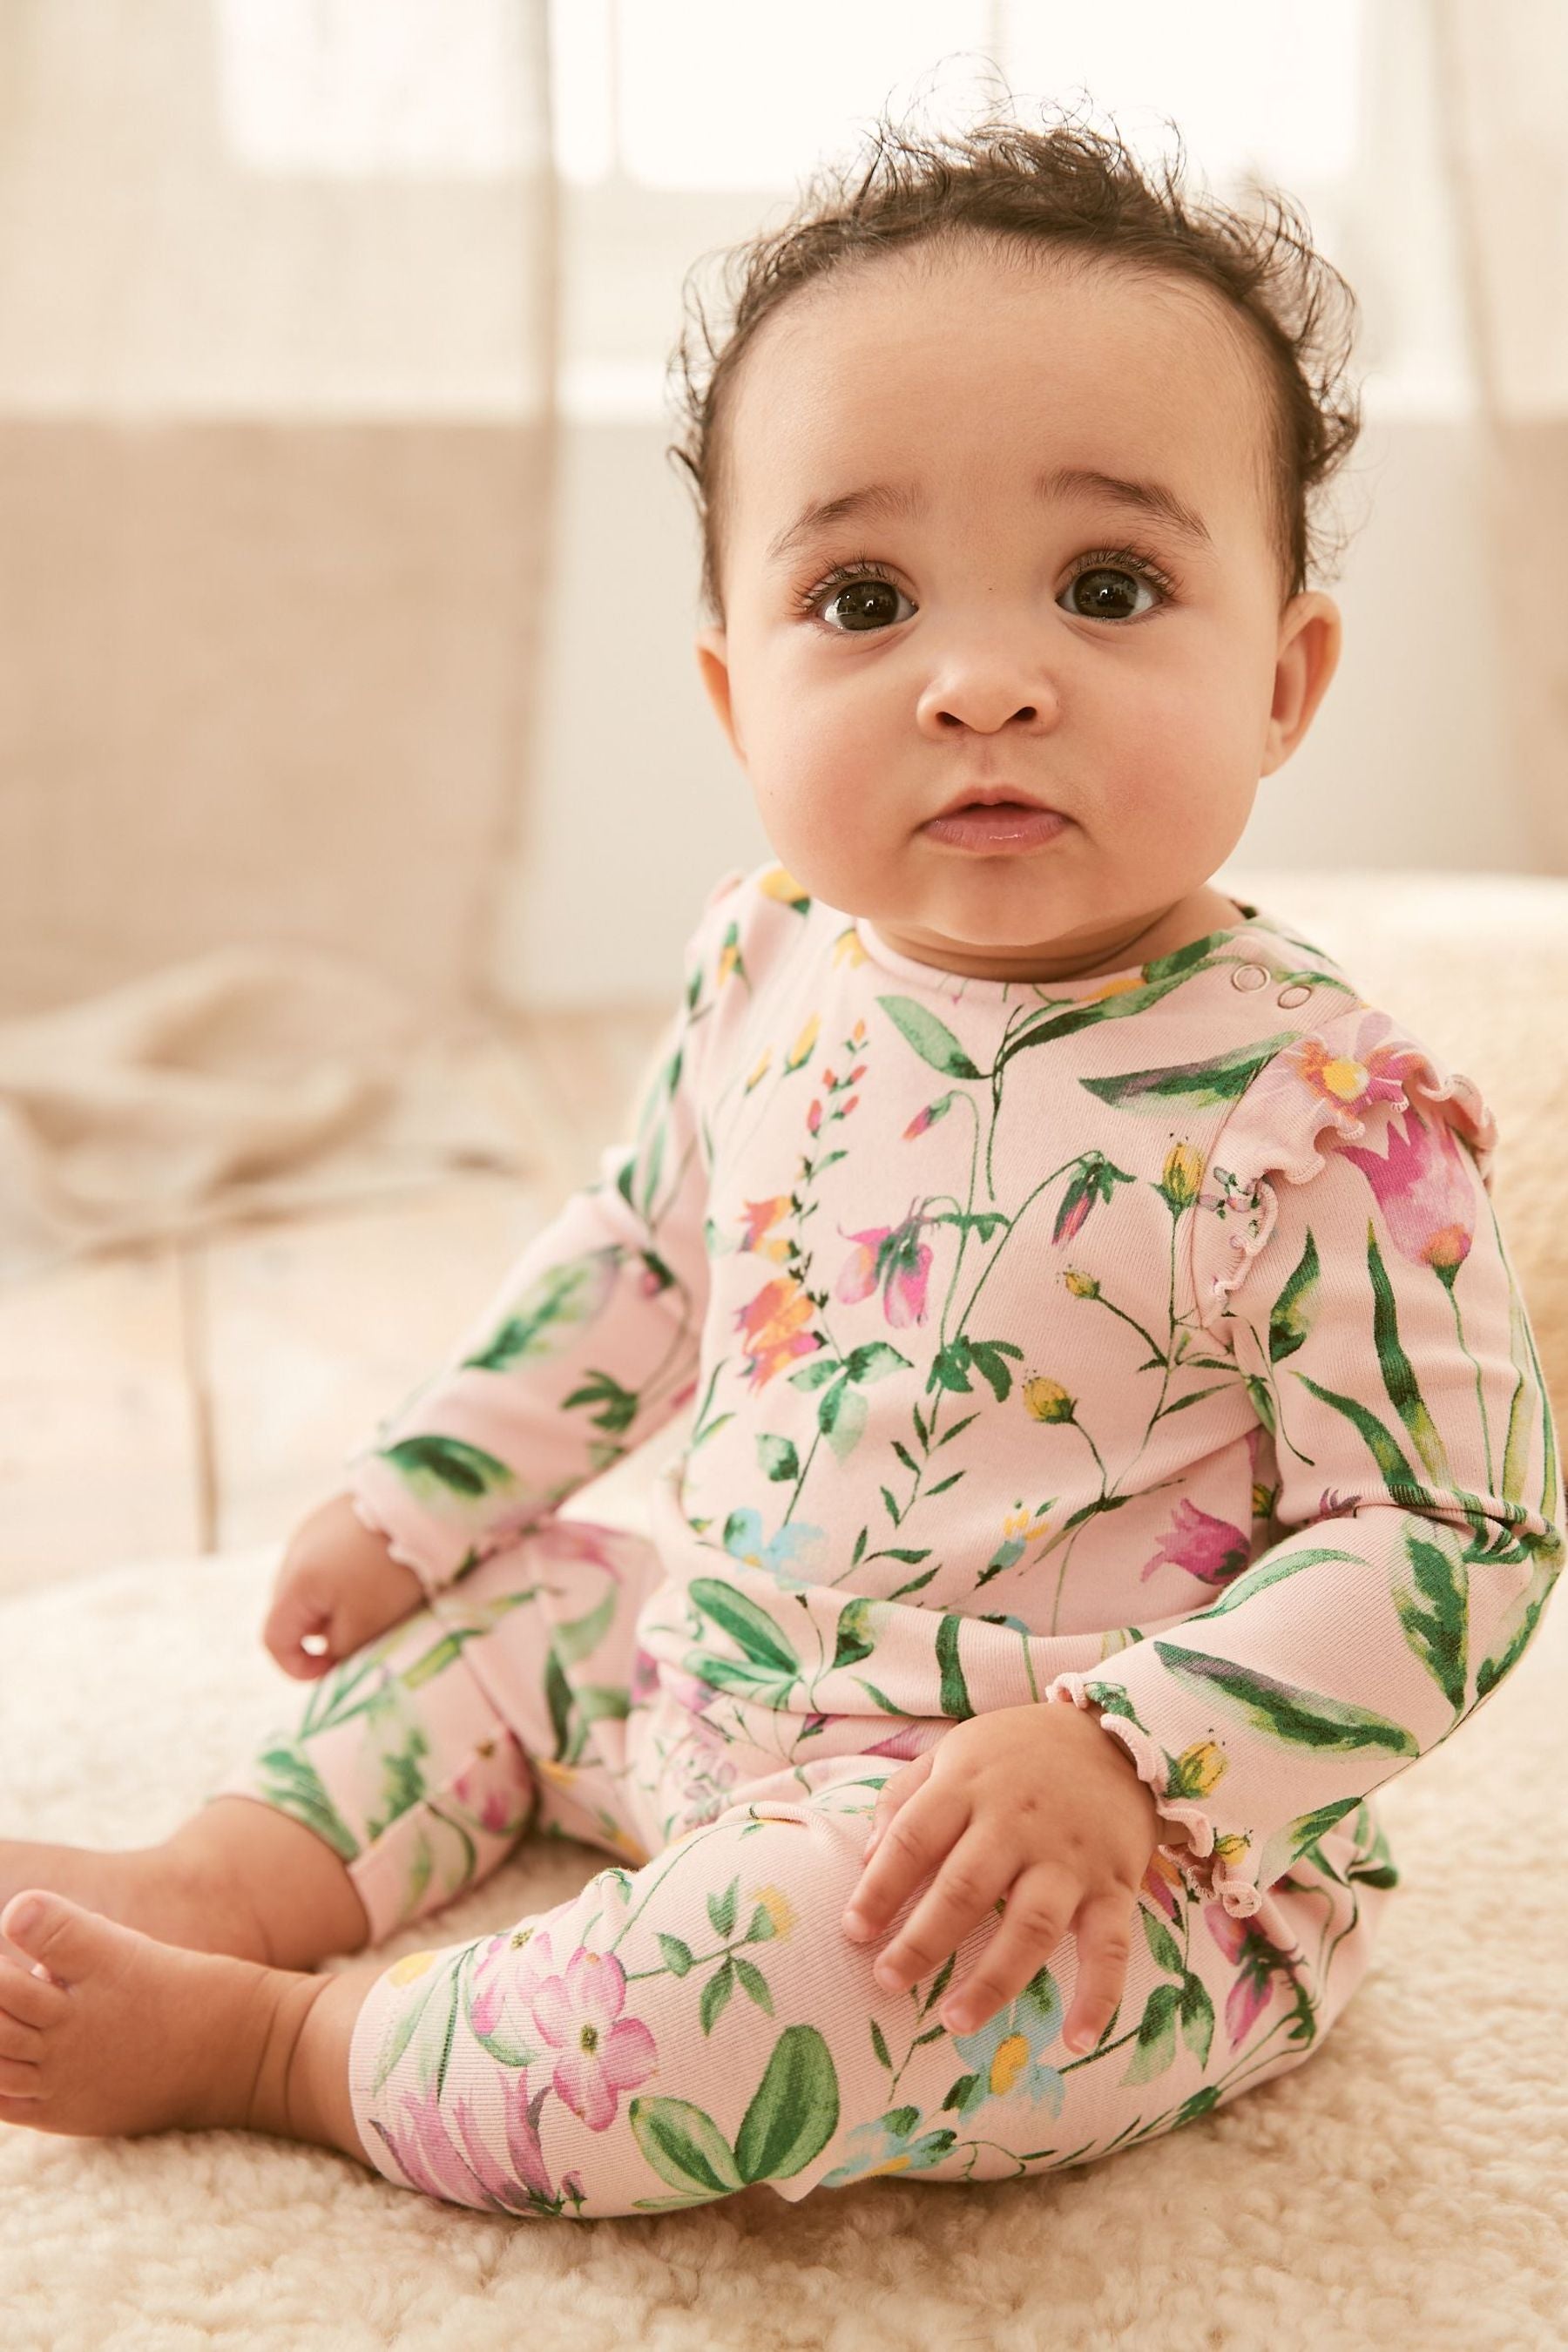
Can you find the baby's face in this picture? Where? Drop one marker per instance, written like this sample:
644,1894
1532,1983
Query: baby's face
1011,641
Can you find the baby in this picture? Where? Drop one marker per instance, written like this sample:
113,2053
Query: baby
1117,1441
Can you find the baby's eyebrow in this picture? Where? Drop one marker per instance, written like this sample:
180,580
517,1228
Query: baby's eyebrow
895,499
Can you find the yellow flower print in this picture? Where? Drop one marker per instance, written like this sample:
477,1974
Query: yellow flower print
846,947
1082,1285
1230,1847
1011,2056
405,1970
729,957
560,1776
1116,988
805,1044
1046,1400
776,882
1182,1177
755,1078
777,1906
1198,1769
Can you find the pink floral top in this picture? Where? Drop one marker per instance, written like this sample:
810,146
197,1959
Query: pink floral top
1146,1341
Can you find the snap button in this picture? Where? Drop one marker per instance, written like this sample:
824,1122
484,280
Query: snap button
1249,975
1296,994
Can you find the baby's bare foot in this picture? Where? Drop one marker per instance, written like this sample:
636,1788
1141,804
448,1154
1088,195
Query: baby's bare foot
145,1888
106,2031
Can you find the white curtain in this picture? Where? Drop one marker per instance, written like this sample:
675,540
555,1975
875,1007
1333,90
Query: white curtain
277,363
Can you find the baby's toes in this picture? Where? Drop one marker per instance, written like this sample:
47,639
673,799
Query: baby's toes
28,2001
21,2046
63,1945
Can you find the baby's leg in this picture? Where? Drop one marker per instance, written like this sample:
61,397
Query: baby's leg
396,1786
237,1877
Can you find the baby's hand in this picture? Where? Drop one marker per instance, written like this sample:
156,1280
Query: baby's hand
1040,1804
338,1587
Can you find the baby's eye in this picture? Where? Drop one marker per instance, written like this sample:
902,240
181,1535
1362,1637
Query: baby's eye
1105,592
868,600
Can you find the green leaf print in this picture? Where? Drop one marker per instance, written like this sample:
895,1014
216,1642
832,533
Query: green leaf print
1517,1625
855,1641
1398,1375
618,1406
403,2033
684,2146
562,1298
677,1955
955,1689
439,1468
721,1908
296,1788
932,1038
1296,1310
715,1994
776,1458
1265,1573
1198,2018
794,2113
874,1362
749,1628
404,1782
1385,1448
841,1415
1221,1079
1300,1718
1434,1614
579,1637
754,1982
438,1656
1156,2049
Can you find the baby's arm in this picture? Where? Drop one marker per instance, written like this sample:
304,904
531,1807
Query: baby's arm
1383,1340
590,1344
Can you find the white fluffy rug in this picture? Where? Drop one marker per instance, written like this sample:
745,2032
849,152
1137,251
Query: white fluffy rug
1407,2186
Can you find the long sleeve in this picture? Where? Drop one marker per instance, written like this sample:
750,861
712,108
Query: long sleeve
1373,1313
590,1344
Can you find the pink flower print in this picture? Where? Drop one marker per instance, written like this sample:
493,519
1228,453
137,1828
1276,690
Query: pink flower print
1424,1190
894,1258
509,1970
1209,1549
493,1806
525,2156
602,2052
1253,1967
420,2141
927,1117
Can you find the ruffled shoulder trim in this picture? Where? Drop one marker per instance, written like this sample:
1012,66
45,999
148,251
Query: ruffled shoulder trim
1317,1092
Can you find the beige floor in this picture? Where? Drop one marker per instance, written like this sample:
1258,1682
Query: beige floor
186,1398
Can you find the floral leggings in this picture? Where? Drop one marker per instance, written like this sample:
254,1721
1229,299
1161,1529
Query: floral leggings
695,2018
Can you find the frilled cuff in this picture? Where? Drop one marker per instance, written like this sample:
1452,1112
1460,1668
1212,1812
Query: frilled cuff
1213,1862
415,1538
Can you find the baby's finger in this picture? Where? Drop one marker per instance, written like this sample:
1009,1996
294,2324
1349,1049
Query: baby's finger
919,1834
973,1877
1104,1943
1040,1905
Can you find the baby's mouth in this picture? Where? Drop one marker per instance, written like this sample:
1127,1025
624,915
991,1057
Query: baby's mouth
996,825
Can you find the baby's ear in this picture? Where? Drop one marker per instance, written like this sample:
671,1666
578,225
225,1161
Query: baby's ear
713,663
1311,635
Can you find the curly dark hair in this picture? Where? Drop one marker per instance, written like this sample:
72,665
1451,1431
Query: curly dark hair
1080,194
